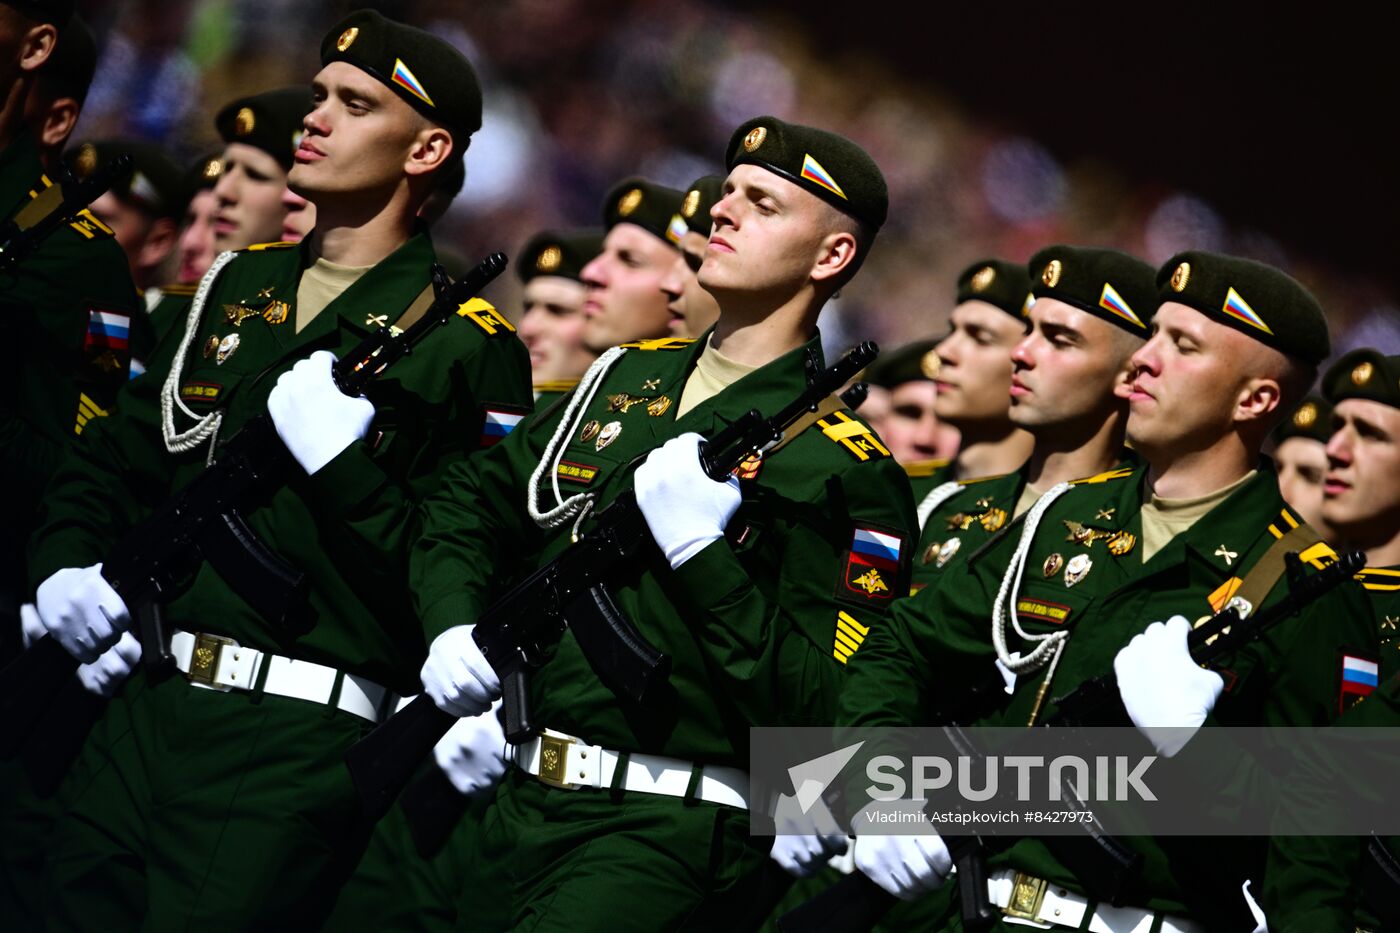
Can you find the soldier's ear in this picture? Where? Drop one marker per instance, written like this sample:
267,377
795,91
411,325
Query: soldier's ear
1258,399
430,151
59,122
836,253
36,47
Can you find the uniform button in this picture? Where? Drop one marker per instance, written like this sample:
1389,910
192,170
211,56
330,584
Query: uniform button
583,754
1057,911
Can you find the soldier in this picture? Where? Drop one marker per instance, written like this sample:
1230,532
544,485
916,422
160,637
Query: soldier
973,384
1183,536
142,210
693,310
918,439
751,618
625,301
219,797
1312,882
550,269
59,90
196,251
1300,455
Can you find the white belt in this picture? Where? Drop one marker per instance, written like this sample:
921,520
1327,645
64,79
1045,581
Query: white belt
563,761
1029,901
218,663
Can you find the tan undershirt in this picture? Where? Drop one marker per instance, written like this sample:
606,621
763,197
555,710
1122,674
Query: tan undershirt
1164,519
713,373
1028,496
322,283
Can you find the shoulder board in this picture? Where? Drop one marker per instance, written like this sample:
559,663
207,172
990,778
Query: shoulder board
87,224
1108,477
84,222
179,289
1380,580
483,314
925,467
262,247
1319,555
659,343
980,479
854,435
555,385
1282,525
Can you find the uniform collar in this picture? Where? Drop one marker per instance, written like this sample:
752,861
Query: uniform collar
768,388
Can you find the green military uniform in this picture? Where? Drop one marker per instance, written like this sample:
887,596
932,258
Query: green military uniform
927,475
1085,581
169,304
1312,882
563,255
751,623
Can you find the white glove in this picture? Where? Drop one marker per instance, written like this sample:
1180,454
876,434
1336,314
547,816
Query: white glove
31,627
457,675
473,752
906,866
685,509
105,676
1261,923
1167,694
82,611
804,855
314,418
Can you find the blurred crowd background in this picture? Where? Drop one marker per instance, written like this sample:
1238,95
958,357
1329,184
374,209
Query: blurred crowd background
581,93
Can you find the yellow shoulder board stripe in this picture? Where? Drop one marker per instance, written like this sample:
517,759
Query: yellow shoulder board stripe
1284,524
924,467
854,435
280,244
86,223
87,410
484,315
177,288
1320,555
849,636
660,343
1108,477
1380,580
979,479
555,385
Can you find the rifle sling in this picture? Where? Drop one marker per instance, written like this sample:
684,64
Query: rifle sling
39,207
829,405
417,309
1266,571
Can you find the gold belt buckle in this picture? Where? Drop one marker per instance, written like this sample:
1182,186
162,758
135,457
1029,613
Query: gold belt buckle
204,660
1027,894
554,761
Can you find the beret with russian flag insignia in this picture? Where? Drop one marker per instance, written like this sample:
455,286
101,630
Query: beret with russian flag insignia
559,253
1109,284
824,163
1253,298
655,208
1365,374
270,121
997,282
703,194
427,72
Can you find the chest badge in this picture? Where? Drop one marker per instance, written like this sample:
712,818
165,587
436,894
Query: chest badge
1105,515
610,432
276,312
949,548
650,385
1078,568
376,320
1226,555
590,431
237,314
227,347
211,346
1121,543
1052,565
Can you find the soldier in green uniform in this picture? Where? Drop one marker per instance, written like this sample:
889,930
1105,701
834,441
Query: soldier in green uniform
624,300
218,797
260,134
1091,310
143,209
758,589
550,269
973,383
919,441
1200,526
1312,883
693,310
1300,456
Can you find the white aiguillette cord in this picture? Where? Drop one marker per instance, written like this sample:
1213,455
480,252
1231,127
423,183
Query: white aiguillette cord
576,506
205,427
1048,646
935,498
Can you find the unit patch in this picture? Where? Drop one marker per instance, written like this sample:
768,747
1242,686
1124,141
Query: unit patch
1042,610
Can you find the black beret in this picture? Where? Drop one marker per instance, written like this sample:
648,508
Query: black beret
1110,285
69,70
58,12
203,173
154,184
910,363
1253,298
1312,419
654,208
559,253
997,282
703,194
830,166
1367,374
270,121
427,72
